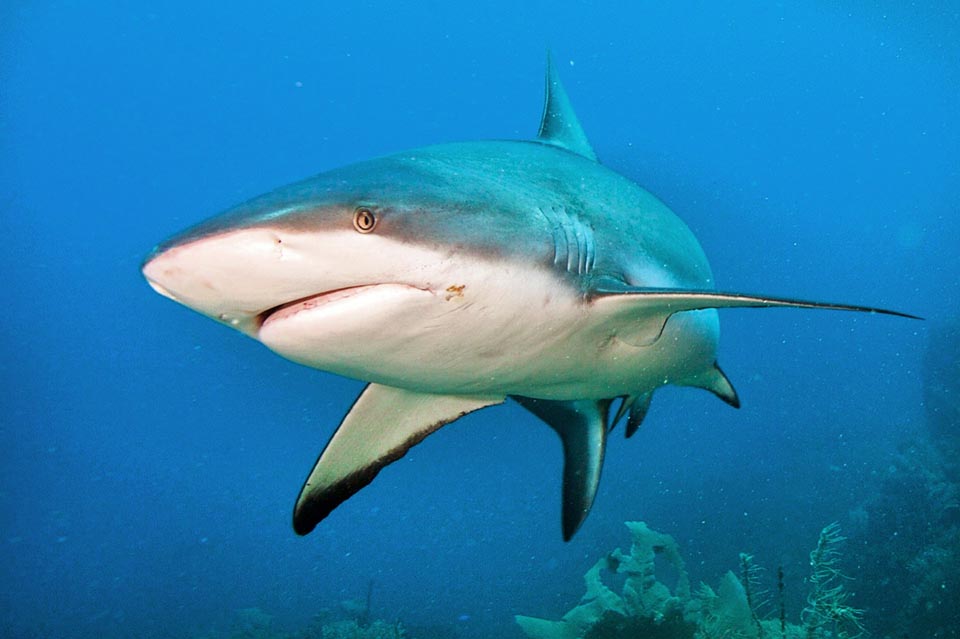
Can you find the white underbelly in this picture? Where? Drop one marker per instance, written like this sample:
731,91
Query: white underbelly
535,338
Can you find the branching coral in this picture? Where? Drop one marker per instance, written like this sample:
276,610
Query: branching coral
827,605
756,596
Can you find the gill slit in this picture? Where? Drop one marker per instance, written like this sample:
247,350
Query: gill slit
574,247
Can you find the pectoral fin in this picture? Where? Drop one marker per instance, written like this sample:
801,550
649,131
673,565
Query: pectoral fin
383,424
582,426
645,311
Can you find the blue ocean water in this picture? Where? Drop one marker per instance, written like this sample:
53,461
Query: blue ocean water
151,457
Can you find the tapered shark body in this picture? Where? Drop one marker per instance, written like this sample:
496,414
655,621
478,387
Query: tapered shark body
456,276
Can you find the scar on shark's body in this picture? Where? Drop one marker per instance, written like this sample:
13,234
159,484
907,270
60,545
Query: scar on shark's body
578,294
454,291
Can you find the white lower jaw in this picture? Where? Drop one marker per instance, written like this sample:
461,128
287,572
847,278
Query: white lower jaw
316,303
347,331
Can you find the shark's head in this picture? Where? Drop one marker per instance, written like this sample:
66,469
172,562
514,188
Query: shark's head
352,253
324,236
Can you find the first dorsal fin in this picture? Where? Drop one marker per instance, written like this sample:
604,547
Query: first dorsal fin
559,125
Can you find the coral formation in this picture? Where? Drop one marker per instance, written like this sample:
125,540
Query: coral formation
941,390
754,593
828,601
254,623
910,526
645,604
350,629
646,607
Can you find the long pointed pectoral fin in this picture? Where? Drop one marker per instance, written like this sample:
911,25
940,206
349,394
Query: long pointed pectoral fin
645,311
582,426
383,424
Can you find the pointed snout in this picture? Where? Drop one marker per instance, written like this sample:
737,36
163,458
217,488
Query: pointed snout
238,276
231,277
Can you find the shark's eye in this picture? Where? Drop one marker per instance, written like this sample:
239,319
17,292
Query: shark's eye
364,220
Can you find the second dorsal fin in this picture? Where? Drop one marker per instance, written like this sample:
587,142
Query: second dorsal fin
559,125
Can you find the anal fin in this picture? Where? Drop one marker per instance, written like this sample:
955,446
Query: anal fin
383,424
582,426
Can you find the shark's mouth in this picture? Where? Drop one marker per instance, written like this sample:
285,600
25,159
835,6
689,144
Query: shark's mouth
384,293
289,309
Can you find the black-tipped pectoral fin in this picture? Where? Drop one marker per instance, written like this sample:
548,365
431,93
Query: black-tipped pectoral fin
582,426
383,424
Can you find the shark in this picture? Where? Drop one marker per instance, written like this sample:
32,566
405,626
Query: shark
454,277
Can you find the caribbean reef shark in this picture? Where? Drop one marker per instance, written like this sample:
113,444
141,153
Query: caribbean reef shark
453,277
